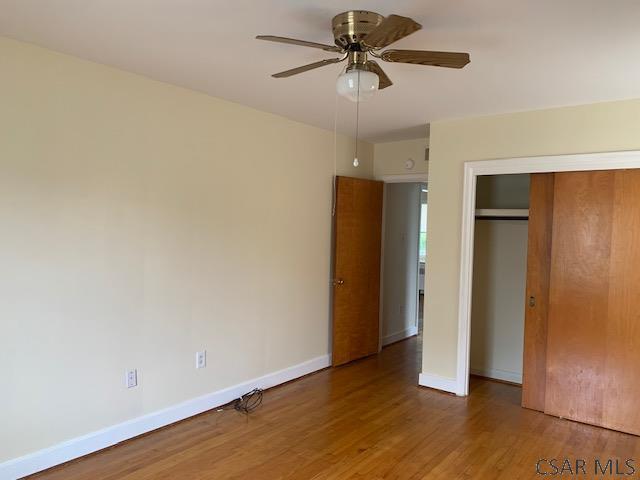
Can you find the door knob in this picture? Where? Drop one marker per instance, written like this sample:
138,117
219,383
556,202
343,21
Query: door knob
337,282
532,301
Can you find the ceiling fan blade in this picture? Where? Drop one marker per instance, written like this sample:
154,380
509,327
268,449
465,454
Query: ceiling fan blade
391,29
304,68
385,81
423,57
303,43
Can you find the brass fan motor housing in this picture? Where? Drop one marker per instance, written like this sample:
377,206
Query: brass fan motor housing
350,28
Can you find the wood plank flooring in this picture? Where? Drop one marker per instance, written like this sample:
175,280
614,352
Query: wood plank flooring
366,420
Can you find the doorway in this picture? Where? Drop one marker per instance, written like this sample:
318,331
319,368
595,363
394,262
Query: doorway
376,297
403,267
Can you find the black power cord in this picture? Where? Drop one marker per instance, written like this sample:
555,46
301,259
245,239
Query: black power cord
248,402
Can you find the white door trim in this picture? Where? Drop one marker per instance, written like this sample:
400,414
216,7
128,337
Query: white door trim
555,163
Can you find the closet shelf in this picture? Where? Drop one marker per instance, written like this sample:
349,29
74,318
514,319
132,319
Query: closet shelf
505,213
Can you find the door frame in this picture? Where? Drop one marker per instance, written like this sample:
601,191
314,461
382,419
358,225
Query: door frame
472,169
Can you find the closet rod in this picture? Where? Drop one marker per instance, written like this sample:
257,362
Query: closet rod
502,213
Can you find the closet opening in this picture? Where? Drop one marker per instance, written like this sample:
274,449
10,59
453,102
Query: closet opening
499,278
581,342
556,291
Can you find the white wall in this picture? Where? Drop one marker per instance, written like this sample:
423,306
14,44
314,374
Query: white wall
400,261
139,223
598,127
497,315
390,157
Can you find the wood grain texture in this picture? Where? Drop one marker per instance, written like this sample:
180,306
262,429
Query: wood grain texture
358,237
538,272
366,420
621,334
579,296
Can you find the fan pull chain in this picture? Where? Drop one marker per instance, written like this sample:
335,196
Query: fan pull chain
335,157
355,156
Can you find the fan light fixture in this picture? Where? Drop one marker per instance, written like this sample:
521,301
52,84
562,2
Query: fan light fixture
357,85
358,34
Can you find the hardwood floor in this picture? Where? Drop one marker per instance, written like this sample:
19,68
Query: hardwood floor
367,420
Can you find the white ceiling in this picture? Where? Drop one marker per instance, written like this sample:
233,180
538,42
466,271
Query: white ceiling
525,54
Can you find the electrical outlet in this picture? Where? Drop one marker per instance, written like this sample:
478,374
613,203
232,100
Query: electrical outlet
401,309
132,378
201,359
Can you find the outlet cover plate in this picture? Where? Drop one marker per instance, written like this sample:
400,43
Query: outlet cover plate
132,378
201,359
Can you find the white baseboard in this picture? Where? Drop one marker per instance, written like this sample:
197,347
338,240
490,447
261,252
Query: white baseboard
498,374
439,383
92,442
401,335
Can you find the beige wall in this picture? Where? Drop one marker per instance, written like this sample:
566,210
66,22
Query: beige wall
390,157
588,128
139,223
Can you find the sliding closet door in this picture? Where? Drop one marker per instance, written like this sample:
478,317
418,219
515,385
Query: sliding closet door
593,347
622,382
578,302
534,372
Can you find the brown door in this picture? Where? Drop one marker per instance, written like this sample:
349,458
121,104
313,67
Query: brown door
580,258
592,327
356,268
537,298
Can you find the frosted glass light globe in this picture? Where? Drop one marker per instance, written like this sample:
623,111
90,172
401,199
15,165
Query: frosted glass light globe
350,82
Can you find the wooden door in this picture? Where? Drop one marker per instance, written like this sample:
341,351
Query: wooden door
622,334
593,346
537,297
356,268
581,248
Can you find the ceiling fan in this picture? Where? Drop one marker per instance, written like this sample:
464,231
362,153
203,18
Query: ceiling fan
359,34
